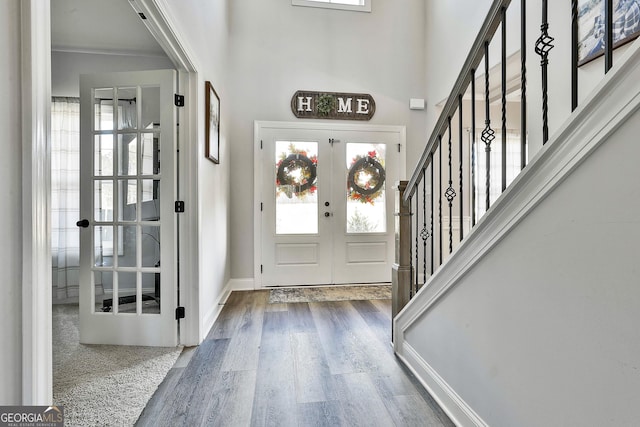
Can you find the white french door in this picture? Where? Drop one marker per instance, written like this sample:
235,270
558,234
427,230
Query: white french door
327,202
127,194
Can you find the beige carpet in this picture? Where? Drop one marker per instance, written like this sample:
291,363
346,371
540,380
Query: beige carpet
329,293
103,385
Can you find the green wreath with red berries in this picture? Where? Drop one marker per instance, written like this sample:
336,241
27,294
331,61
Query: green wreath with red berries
365,181
296,173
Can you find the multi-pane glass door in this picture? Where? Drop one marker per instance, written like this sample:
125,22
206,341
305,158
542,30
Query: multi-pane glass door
127,145
327,205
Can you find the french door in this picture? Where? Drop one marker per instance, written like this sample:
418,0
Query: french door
327,204
127,193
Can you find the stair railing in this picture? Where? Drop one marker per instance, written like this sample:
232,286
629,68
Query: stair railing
427,230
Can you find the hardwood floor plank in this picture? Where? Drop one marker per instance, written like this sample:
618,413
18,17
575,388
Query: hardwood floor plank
159,398
321,414
341,348
363,406
383,306
313,379
189,397
244,346
413,411
231,395
275,401
300,318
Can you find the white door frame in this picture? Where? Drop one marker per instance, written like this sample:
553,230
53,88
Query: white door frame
258,127
37,374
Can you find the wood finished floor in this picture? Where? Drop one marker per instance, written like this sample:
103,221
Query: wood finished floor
297,364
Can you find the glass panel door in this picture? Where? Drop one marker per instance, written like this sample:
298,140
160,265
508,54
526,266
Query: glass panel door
327,206
128,285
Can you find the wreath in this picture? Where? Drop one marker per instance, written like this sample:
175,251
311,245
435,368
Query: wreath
365,181
296,173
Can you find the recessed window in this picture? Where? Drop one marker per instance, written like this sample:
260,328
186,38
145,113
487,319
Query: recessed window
357,5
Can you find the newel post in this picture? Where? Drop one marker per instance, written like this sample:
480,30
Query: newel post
401,270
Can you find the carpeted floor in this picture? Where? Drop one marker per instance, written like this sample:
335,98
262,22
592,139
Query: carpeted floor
101,385
330,293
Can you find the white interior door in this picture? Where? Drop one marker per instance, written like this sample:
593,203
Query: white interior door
327,204
127,194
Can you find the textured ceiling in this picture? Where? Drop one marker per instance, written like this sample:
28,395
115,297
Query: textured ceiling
100,26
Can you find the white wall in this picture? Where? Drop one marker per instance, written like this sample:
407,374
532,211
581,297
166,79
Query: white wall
277,49
204,28
11,214
66,68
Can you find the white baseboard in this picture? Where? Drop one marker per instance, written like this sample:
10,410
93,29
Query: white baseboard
455,407
242,284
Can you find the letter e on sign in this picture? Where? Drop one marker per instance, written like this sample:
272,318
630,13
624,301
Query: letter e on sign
363,106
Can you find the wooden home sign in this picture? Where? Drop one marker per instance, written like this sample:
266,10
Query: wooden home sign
332,105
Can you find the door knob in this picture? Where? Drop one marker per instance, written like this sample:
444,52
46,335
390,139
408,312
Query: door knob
326,203
327,214
84,223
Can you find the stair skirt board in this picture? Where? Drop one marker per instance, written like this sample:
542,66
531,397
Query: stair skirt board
450,402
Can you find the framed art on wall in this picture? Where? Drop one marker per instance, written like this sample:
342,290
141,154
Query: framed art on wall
591,26
212,120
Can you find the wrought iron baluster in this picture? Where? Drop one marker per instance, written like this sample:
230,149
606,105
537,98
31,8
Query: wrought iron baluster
608,35
450,194
431,209
574,54
440,193
411,269
417,218
473,147
523,83
543,46
488,134
504,98
424,233
460,156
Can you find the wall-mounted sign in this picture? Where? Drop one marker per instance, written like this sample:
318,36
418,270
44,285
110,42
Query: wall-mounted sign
332,105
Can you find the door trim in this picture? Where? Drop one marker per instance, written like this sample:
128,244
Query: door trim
37,369
259,126
37,365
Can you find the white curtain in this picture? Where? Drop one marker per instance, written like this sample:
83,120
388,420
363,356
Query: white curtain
65,197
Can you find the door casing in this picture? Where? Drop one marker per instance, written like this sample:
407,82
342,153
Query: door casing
259,126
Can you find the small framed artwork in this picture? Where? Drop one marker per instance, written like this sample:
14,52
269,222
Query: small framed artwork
212,119
591,26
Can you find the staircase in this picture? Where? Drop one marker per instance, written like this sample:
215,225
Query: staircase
530,317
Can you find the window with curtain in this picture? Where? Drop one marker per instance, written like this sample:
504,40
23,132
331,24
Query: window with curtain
495,184
65,196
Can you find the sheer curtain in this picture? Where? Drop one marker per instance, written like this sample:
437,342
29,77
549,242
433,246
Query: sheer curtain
65,197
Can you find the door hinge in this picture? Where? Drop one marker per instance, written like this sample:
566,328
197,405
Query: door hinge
142,15
178,100
261,268
179,313
399,146
261,144
179,206
261,206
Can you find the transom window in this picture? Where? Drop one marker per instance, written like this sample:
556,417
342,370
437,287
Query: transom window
357,5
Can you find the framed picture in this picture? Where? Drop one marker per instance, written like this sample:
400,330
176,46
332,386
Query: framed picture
591,26
212,119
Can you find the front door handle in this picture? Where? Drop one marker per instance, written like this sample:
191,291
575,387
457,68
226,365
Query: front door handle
84,223
327,214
